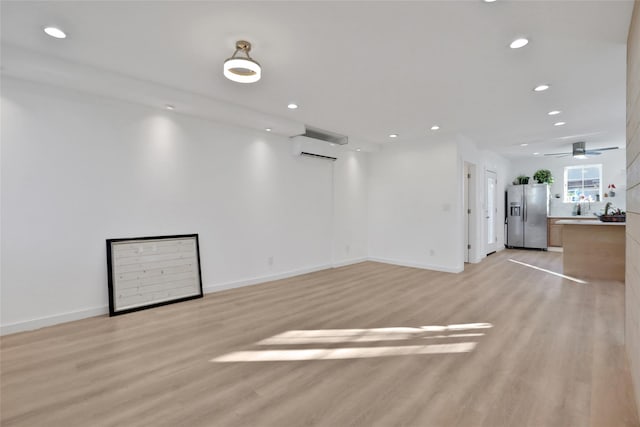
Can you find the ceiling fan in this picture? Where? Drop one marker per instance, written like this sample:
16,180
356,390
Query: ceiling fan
580,151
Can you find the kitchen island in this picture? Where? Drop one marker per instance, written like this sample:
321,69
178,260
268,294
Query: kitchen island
554,228
593,249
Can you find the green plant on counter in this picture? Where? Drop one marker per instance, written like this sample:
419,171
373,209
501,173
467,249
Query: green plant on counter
543,176
521,179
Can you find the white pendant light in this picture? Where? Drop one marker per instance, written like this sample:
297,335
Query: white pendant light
242,69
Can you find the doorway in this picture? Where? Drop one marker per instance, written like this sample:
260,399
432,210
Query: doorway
491,211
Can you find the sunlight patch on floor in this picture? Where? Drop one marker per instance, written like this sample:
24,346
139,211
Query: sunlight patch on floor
548,271
350,336
326,336
342,353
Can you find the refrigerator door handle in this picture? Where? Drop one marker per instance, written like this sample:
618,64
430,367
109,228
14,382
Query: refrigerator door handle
524,208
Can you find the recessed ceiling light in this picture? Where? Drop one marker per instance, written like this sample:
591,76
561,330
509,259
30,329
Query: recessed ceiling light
267,129
169,107
535,154
333,145
541,88
393,135
489,1
55,32
523,145
559,123
518,43
435,127
292,106
357,149
554,112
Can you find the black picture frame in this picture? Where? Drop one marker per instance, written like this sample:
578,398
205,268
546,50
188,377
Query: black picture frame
113,310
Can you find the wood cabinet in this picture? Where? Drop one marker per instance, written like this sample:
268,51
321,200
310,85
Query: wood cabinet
554,230
594,250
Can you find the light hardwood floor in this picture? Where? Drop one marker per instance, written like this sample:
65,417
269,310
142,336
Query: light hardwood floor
552,356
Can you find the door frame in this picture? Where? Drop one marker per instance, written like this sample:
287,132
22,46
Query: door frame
470,212
466,180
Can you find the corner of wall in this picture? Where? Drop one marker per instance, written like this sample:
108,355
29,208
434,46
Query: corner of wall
632,280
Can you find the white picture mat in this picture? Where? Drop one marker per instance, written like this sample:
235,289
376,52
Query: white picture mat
151,271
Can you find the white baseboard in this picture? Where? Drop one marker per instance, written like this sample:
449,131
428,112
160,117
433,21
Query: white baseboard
262,279
350,261
41,322
418,265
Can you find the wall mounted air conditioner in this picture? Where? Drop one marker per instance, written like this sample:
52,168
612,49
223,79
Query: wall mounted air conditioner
305,146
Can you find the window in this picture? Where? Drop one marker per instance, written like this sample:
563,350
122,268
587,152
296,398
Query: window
582,183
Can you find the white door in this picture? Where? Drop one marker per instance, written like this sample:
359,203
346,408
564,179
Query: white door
491,211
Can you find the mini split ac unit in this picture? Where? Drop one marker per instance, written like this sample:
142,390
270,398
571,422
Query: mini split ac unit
318,143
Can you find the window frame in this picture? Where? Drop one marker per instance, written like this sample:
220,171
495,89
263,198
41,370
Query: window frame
565,195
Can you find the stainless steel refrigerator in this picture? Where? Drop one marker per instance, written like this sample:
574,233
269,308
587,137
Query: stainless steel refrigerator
527,210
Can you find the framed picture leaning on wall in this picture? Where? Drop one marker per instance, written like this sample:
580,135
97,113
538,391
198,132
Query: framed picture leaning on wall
146,272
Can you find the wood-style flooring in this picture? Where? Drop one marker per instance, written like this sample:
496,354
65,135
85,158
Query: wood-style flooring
371,344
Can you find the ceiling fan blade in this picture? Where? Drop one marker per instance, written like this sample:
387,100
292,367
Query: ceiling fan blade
604,149
579,148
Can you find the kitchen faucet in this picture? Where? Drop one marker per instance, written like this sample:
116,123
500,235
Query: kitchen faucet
606,208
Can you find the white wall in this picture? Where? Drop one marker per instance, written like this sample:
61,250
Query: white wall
613,171
415,206
350,242
79,169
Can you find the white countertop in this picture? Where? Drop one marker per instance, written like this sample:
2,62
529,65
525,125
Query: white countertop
591,216
587,222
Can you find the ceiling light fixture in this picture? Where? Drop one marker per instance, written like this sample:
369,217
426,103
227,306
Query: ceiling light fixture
536,154
489,1
267,129
435,127
292,106
554,112
242,69
559,123
523,145
518,43
541,88
393,135
169,107
357,149
55,32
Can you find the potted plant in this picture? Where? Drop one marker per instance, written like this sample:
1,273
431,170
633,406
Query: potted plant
543,176
521,179
612,190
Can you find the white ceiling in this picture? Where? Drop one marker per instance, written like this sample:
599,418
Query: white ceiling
370,68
